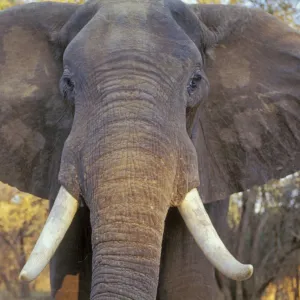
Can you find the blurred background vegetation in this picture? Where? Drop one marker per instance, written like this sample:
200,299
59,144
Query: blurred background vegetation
263,223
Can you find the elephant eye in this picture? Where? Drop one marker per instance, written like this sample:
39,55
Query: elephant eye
67,87
194,81
68,84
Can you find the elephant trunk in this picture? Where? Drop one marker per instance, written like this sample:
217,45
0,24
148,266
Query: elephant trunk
129,181
127,219
126,240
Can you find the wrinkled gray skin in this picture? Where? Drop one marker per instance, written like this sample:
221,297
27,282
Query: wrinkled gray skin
136,130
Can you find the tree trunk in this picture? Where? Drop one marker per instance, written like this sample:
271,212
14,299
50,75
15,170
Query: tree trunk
8,285
297,288
249,199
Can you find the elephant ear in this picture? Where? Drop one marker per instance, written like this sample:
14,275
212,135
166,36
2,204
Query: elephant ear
33,117
248,130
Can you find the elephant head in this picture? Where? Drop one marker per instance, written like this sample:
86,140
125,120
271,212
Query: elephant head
131,107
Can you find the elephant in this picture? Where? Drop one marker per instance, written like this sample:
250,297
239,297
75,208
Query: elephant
137,120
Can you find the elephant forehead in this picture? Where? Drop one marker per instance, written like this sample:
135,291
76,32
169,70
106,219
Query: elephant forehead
130,12
133,26
18,65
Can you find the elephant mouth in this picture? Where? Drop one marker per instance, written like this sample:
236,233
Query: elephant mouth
191,209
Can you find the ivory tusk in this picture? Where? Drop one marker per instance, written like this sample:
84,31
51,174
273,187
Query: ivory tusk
57,224
199,224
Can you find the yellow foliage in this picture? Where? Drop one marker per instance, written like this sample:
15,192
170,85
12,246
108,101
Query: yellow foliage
209,1
234,213
22,216
282,290
219,1
8,3
20,210
65,1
